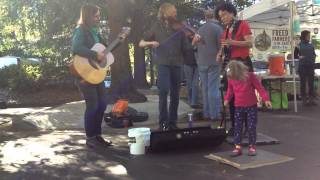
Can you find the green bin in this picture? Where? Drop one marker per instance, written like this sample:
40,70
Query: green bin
276,100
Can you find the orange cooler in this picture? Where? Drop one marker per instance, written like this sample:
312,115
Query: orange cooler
276,65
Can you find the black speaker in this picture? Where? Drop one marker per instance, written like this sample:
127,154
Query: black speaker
186,138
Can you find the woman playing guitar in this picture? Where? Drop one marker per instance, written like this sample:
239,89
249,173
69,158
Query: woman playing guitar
84,37
238,35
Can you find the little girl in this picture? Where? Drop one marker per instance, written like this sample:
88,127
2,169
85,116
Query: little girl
242,85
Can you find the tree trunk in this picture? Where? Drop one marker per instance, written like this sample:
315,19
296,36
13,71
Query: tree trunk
140,76
122,85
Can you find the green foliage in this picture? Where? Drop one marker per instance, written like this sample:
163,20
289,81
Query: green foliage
7,73
32,77
50,72
38,28
43,29
316,43
241,4
20,78
32,72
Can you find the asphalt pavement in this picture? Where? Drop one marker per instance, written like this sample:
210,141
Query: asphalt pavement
38,152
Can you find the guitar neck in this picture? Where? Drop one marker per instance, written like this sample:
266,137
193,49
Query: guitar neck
113,45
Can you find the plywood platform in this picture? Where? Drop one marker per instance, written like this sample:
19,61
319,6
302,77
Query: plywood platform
244,161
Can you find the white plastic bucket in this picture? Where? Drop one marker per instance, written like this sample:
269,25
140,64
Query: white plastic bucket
139,139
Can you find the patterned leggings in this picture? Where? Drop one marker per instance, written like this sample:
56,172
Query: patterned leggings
252,118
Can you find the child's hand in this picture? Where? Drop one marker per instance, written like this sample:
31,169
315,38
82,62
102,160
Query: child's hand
268,104
226,103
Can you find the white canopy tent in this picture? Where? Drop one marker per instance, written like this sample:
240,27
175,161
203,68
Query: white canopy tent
276,13
282,13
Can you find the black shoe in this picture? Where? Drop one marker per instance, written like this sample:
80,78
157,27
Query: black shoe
103,141
97,142
163,127
173,127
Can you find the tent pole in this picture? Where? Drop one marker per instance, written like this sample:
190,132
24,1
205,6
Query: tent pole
292,3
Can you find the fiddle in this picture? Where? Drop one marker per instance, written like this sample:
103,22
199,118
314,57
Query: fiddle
178,25
188,31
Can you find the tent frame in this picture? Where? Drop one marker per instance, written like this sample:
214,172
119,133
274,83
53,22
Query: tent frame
266,5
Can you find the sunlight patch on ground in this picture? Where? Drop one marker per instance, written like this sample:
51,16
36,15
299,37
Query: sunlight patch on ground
117,170
110,168
21,111
59,150
5,122
44,149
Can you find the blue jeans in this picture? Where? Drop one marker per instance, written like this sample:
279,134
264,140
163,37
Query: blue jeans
210,81
192,78
168,80
306,74
95,97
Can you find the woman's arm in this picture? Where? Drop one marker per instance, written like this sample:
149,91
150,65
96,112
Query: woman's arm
148,39
258,86
144,43
229,93
78,45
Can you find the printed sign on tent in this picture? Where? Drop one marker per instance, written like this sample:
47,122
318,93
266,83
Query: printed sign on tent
268,40
261,44
280,39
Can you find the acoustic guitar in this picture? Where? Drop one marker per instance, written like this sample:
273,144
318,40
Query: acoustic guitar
93,71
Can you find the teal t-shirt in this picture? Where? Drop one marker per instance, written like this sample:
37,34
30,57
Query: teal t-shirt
79,45
94,32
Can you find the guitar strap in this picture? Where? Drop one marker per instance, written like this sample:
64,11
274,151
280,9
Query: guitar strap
87,37
235,29
89,40
228,50
72,70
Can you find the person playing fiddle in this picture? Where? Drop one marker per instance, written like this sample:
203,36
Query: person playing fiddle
170,44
